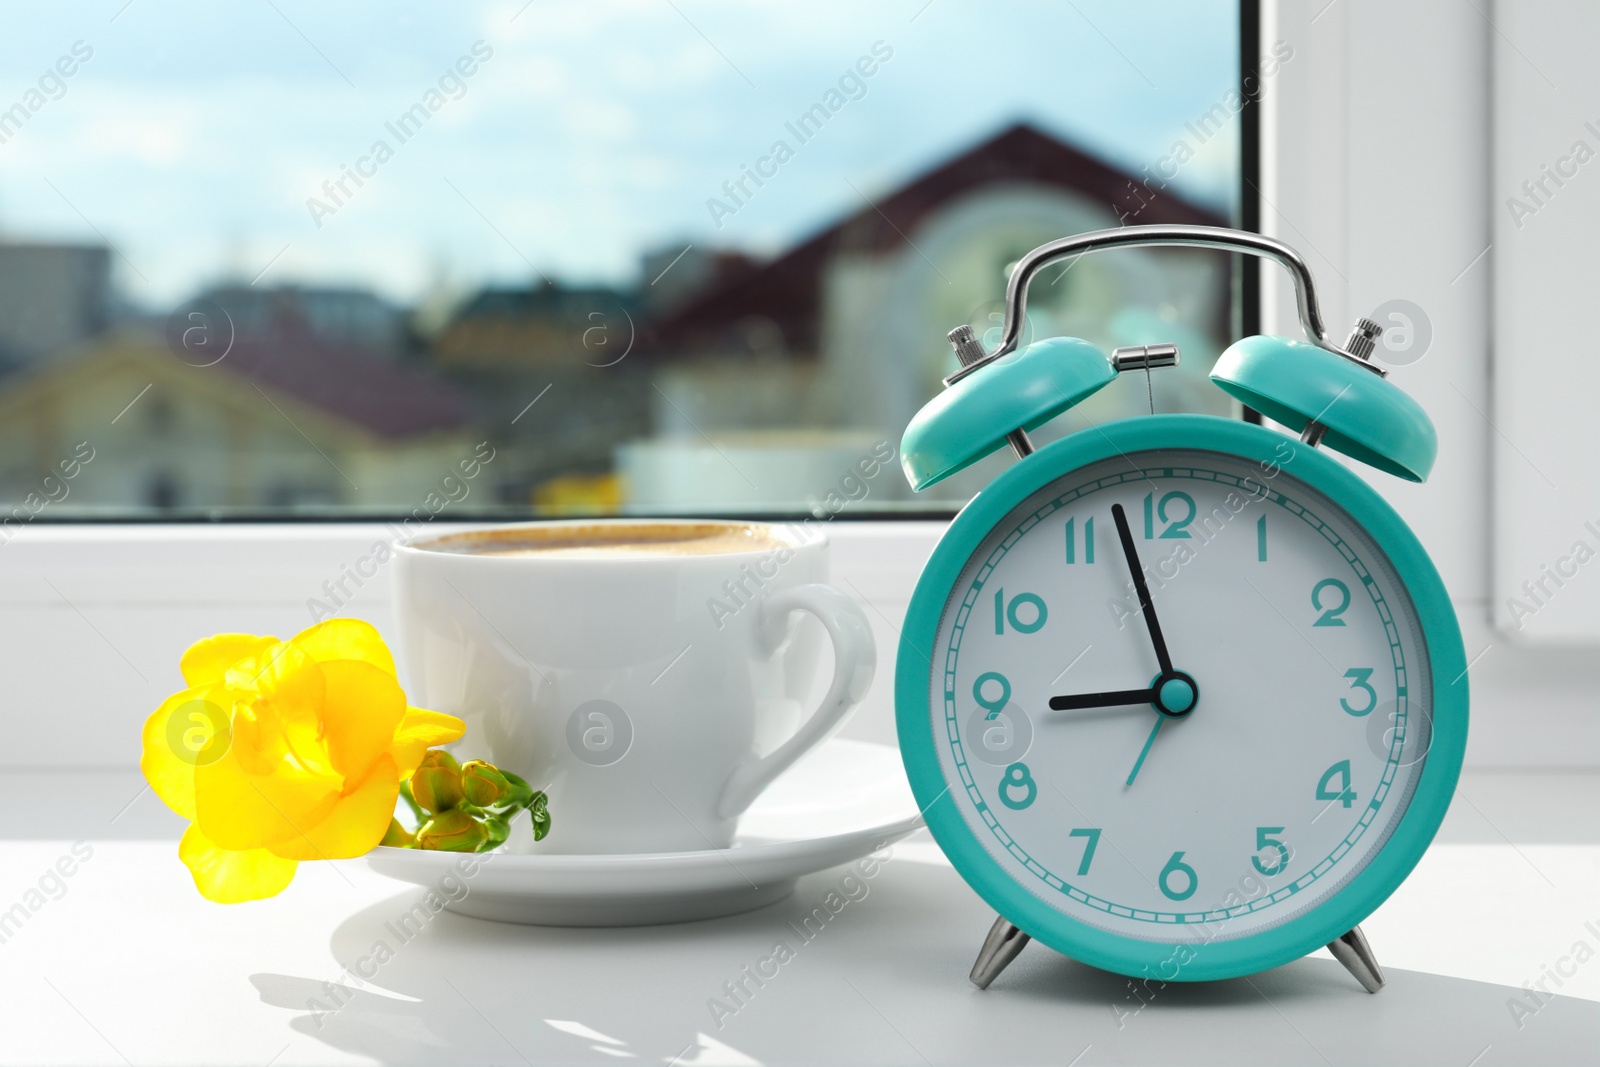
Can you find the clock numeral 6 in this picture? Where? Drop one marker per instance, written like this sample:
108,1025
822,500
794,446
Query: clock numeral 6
1088,849
1154,510
1331,589
1358,680
1264,839
1004,612
1342,792
1176,866
1017,777
995,704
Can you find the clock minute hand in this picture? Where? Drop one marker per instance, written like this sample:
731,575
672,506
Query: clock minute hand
1103,700
1146,606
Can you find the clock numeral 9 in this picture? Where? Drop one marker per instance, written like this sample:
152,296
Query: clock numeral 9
1342,792
1358,680
1004,612
1176,866
1331,589
1153,510
1018,778
1088,540
1264,839
995,705
1088,849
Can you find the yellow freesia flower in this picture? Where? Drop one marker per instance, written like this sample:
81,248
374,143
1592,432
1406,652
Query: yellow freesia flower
282,751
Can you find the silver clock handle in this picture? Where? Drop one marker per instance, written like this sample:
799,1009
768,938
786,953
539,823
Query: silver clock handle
1135,236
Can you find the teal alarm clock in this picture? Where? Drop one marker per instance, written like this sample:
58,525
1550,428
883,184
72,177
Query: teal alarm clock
1180,696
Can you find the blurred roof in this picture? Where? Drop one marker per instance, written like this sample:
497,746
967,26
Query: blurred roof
346,380
787,291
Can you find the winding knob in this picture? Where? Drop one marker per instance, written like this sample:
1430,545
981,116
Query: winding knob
965,342
1363,339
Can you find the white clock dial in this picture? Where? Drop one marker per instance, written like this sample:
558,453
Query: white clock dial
1264,786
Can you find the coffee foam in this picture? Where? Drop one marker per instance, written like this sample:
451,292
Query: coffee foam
644,540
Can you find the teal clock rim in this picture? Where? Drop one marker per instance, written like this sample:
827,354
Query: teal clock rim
1218,959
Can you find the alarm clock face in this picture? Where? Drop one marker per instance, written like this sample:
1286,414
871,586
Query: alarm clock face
1230,791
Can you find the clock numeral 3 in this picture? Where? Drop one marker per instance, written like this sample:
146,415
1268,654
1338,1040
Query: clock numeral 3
1088,849
1264,839
1004,612
1088,540
1018,778
1331,589
1154,510
1358,680
1176,866
1343,793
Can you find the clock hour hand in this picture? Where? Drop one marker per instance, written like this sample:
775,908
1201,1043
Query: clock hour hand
1103,700
1146,606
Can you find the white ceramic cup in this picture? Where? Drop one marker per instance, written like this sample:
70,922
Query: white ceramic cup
652,694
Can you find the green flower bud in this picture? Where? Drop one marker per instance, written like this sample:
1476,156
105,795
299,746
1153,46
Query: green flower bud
437,782
483,784
454,831
538,808
397,836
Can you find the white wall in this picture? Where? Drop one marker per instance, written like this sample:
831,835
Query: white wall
1376,165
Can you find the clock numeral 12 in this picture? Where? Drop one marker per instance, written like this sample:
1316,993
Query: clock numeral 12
1004,612
1343,792
1088,849
1088,540
1261,539
1153,510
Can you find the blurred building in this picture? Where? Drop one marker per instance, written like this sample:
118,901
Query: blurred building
847,329
278,422
549,371
52,297
341,315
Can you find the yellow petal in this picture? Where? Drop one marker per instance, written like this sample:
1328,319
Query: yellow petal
345,639
240,810
356,824
230,877
186,730
281,693
360,712
206,661
419,731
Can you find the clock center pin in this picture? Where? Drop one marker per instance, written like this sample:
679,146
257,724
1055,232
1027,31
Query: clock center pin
1176,694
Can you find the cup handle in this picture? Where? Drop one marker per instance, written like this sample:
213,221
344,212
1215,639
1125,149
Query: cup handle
855,658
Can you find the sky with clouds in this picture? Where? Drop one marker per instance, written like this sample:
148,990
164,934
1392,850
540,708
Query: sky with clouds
193,136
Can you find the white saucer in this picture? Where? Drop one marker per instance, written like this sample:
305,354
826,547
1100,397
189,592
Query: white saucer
844,800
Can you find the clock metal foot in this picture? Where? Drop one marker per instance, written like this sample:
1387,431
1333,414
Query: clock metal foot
999,949
1352,950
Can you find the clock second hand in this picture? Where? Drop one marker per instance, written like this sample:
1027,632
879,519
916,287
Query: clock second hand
1145,751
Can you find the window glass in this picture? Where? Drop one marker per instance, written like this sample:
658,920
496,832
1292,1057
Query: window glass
296,259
